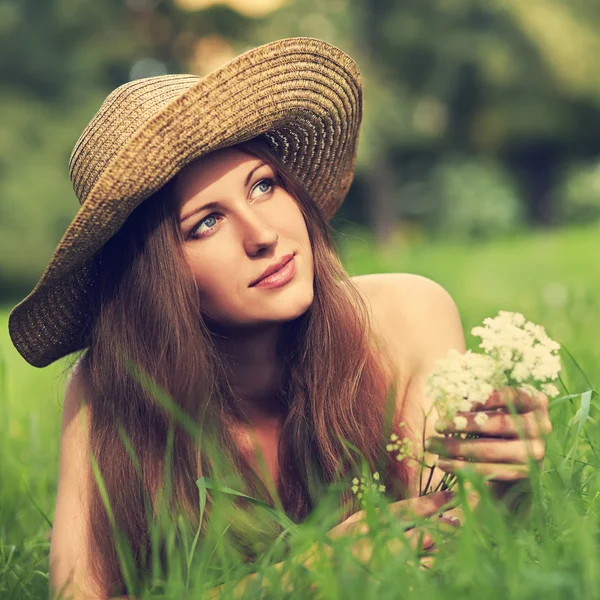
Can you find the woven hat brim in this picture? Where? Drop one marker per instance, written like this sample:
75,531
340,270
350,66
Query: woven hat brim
304,93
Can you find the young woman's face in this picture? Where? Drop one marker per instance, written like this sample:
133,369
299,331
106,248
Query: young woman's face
250,224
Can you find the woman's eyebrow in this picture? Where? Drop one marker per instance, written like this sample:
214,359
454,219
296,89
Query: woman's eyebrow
198,209
258,166
210,205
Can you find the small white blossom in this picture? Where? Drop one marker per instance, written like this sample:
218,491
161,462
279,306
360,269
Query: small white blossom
461,380
359,488
481,418
550,390
523,349
460,422
403,447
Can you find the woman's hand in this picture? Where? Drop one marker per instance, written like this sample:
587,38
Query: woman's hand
501,452
409,509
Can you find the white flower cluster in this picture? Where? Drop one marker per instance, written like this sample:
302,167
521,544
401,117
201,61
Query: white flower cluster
516,353
461,380
523,350
360,487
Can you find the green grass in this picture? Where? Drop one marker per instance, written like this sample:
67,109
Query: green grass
552,277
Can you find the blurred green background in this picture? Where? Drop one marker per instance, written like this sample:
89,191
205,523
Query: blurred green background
481,116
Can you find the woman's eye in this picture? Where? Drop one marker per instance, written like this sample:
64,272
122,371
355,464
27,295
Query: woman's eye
210,221
265,185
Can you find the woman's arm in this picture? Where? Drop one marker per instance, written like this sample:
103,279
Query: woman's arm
70,572
419,507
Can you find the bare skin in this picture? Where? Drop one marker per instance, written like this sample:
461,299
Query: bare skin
506,442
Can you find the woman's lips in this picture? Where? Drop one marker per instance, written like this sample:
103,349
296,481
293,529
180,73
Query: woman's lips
279,278
273,268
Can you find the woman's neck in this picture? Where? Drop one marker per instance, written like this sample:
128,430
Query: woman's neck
255,372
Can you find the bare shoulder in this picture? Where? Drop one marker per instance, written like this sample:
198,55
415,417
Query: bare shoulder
376,291
418,313
412,286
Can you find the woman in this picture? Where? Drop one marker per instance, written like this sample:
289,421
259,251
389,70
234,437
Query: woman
193,192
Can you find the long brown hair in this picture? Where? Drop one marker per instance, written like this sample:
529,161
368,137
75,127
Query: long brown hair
148,313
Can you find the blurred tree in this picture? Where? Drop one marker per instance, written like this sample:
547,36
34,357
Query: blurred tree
57,59
551,110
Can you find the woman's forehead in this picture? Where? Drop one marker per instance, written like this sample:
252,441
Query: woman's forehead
211,172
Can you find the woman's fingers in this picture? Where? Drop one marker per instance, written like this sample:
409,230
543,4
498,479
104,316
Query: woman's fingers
534,424
521,401
420,539
422,506
506,441
426,562
488,450
495,471
409,509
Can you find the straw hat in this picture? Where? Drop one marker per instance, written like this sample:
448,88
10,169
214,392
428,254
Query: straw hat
303,94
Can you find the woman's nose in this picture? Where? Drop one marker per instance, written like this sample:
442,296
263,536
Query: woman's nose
258,234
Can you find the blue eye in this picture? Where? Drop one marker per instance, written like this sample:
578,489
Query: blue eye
270,184
194,232
265,186
264,182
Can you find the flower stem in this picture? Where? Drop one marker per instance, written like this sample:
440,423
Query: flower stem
431,468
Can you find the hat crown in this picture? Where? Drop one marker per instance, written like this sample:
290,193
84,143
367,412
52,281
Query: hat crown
120,116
